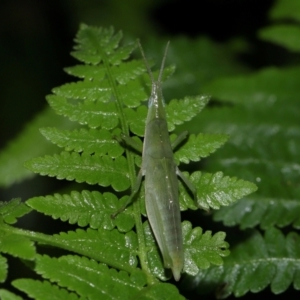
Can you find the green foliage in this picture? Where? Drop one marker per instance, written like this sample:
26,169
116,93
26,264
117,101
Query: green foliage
285,35
215,190
288,9
43,290
262,211
7,295
91,141
119,258
22,148
12,243
259,261
200,146
83,168
10,211
85,209
94,280
260,112
107,101
212,249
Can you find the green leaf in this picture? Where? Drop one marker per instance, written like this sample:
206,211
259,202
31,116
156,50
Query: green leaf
284,35
253,265
16,245
93,169
180,111
90,141
111,247
90,39
43,290
263,148
200,146
285,9
123,73
215,190
136,119
6,295
266,87
82,90
85,208
24,147
93,114
162,291
263,211
128,71
12,210
107,101
89,278
3,269
202,249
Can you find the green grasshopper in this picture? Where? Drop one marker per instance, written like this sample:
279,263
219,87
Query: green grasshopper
161,182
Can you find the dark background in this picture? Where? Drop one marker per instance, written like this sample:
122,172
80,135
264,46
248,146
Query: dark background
36,38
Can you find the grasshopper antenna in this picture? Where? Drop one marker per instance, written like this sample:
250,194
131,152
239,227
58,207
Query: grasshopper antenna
162,63
146,62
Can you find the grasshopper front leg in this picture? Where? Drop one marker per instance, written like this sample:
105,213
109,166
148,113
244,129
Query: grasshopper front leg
129,141
135,190
188,183
180,138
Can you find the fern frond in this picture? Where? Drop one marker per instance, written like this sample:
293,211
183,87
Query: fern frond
84,168
215,190
262,211
16,245
7,295
262,151
123,73
85,208
107,101
43,290
93,114
86,277
184,110
286,35
202,249
164,291
262,88
24,147
82,90
263,147
200,146
283,10
90,140
12,210
3,269
254,264
91,278
89,39
136,119
10,242
111,247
